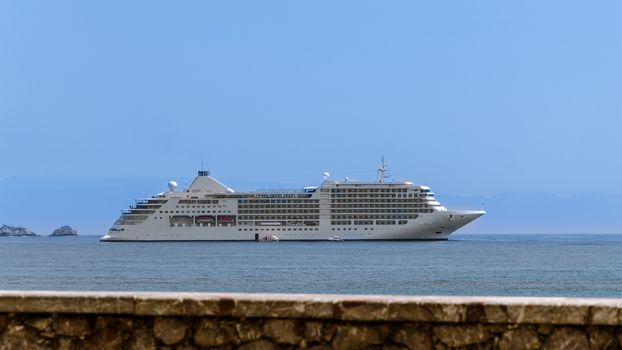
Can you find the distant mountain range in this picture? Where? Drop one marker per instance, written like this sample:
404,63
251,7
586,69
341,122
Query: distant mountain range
91,205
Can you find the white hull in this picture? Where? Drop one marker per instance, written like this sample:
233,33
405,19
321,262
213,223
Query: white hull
433,226
210,211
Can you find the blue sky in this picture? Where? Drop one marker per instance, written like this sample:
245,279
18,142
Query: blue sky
476,98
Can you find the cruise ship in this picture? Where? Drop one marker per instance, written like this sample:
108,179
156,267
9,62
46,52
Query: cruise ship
335,211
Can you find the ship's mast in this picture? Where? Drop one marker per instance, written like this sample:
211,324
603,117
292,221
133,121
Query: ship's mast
381,172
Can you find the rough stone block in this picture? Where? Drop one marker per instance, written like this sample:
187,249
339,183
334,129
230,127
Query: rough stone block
65,343
282,331
39,323
214,333
109,337
16,336
543,314
260,344
427,312
250,329
361,310
413,337
495,313
522,338
601,339
163,305
4,321
170,330
320,347
142,339
566,338
394,347
461,335
350,337
604,315
73,326
282,308
545,329
314,331
65,302
128,324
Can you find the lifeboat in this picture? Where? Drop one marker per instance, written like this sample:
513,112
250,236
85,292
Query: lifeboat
205,219
226,219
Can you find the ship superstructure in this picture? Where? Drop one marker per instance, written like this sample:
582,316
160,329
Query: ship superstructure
348,210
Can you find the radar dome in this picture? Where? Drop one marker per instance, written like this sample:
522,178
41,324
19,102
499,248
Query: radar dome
326,175
172,185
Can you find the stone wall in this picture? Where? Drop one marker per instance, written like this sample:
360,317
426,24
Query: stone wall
58,320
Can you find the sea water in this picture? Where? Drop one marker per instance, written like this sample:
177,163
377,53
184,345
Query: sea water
508,265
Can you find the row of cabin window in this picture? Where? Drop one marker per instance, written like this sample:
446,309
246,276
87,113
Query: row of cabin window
198,201
374,190
279,217
341,217
388,195
376,200
200,206
377,211
278,206
277,201
350,229
278,229
194,211
367,205
378,222
278,211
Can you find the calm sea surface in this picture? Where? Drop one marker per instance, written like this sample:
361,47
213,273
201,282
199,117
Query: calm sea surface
526,265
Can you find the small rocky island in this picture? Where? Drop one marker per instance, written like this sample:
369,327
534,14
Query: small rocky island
64,231
6,231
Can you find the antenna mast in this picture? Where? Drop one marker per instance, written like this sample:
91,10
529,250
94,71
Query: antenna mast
381,172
